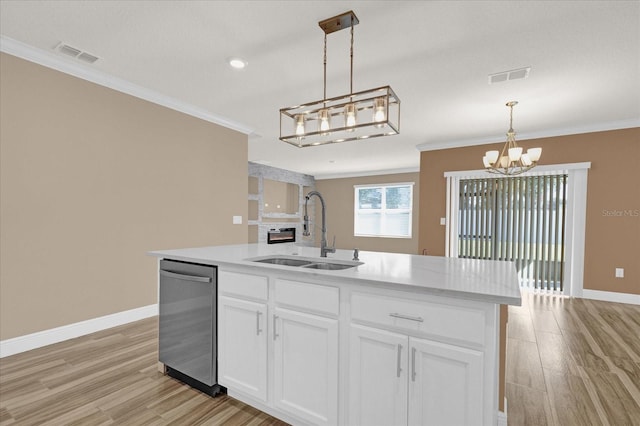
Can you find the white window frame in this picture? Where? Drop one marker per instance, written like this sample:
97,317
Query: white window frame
383,209
576,216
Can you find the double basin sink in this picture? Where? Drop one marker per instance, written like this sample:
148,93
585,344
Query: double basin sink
307,263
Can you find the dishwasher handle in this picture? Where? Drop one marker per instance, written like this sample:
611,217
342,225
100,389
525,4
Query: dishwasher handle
185,277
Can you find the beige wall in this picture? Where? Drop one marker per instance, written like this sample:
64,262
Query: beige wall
91,179
613,185
338,195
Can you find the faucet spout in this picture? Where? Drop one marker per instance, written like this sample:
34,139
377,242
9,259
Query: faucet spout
324,248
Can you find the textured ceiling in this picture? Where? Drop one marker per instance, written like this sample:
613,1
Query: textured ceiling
436,55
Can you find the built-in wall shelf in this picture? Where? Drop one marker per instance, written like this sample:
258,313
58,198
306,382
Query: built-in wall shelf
276,200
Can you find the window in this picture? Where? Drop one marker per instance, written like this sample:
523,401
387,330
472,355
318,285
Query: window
383,210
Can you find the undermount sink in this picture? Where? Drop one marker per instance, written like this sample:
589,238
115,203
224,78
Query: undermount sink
283,261
307,263
329,266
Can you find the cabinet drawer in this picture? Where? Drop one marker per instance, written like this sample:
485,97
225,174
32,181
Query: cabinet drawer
436,319
245,285
312,297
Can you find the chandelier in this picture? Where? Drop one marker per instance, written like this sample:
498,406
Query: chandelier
511,161
354,116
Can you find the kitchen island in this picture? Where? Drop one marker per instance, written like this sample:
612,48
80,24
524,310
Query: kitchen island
391,339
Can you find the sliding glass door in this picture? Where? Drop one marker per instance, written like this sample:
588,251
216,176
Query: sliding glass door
519,219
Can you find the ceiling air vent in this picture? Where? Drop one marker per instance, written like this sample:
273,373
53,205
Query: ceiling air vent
517,74
67,50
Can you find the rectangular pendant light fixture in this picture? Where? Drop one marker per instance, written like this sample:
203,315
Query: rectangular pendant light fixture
354,116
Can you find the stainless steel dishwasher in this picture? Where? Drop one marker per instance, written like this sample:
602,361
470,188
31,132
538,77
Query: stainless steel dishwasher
188,332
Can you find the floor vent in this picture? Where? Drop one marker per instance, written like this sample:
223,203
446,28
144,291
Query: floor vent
517,74
67,50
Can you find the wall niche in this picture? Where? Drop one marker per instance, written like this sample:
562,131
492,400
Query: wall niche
276,200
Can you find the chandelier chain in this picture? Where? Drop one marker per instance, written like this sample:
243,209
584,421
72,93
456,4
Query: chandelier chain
511,118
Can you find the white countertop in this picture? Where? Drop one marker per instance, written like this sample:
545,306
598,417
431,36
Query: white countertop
481,280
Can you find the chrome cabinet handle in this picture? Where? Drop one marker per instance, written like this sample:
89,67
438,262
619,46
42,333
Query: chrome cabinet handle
185,277
399,368
258,329
413,364
407,317
275,319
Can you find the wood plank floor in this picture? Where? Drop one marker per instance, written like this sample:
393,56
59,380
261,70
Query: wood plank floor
569,362
109,377
573,362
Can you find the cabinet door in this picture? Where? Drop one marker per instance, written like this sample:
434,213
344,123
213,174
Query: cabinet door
242,343
445,384
377,377
306,366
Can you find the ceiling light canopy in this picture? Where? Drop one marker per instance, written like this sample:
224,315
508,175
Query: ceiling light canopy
511,161
353,116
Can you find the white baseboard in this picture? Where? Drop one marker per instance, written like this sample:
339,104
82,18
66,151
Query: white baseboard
612,296
502,415
47,337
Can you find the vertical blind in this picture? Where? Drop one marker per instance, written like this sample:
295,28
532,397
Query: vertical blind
519,219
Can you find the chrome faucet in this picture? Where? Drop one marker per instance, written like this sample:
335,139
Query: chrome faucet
324,249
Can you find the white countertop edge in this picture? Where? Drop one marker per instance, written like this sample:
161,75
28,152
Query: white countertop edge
217,256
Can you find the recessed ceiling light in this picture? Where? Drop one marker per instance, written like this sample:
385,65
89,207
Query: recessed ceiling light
237,63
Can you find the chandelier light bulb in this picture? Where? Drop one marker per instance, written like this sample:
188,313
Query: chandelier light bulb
534,154
515,153
492,156
526,161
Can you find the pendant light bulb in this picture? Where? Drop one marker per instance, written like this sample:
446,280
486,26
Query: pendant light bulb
350,116
379,110
325,121
300,131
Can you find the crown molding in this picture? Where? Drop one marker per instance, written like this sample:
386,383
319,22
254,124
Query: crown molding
367,173
592,128
84,72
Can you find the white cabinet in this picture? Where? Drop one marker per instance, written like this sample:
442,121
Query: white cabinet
306,366
320,354
395,379
445,384
242,343
242,333
377,377
411,363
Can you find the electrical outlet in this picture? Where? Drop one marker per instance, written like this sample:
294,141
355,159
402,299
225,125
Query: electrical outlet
619,272
237,220
443,221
